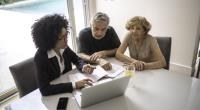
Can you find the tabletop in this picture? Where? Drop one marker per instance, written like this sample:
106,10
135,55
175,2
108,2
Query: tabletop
157,89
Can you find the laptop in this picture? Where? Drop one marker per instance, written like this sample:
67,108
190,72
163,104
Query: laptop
101,91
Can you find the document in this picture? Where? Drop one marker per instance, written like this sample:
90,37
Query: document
116,70
98,73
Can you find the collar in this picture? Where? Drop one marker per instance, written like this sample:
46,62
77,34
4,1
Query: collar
51,53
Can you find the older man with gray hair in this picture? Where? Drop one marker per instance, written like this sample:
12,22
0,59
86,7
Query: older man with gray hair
98,41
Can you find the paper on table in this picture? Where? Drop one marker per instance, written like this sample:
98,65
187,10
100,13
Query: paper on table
116,70
98,73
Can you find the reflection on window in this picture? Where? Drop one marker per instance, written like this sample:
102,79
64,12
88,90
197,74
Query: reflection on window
79,15
16,41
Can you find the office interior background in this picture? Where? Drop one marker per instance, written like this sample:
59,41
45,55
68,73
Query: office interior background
179,19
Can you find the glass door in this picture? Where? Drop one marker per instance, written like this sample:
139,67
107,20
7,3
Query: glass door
16,41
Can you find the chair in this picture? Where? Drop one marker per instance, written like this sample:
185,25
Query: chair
165,47
24,74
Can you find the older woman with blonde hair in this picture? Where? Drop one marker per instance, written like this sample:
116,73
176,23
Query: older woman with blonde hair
143,48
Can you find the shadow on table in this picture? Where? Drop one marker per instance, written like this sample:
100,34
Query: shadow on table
194,96
118,103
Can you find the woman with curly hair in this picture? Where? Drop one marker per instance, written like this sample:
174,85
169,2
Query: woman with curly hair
53,57
143,48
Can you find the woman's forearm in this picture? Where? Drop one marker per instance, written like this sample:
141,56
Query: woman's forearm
124,58
155,65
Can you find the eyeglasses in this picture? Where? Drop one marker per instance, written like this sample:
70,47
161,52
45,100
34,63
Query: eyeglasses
63,36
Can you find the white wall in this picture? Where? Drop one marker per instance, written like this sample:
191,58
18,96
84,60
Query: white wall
176,18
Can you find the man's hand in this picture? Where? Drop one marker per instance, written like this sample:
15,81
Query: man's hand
82,83
88,68
96,55
105,64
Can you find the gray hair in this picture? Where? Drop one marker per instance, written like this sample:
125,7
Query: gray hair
100,17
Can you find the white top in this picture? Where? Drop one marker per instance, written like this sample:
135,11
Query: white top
51,53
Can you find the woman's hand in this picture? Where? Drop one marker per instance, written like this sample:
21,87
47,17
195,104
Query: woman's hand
82,83
129,66
88,68
105,64
139,65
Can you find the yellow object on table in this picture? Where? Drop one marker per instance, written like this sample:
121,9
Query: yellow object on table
129,73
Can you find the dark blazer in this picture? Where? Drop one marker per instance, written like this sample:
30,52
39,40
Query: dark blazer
48,70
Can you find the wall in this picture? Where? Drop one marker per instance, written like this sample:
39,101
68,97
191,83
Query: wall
176,18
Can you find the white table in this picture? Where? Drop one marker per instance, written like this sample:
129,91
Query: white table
148,90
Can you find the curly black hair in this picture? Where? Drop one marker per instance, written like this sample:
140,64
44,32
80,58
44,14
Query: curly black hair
45,31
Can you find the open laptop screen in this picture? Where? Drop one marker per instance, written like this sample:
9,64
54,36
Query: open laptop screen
103,91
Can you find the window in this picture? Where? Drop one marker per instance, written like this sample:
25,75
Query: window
16,41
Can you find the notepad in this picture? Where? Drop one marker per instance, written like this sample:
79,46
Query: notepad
98,73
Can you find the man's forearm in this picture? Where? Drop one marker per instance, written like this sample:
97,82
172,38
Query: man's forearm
84,56
87,58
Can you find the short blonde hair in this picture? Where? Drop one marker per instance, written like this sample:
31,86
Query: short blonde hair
138,20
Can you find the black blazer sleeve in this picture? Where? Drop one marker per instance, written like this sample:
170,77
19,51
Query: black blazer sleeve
46,73
75,59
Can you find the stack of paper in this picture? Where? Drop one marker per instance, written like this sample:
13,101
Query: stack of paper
98,73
